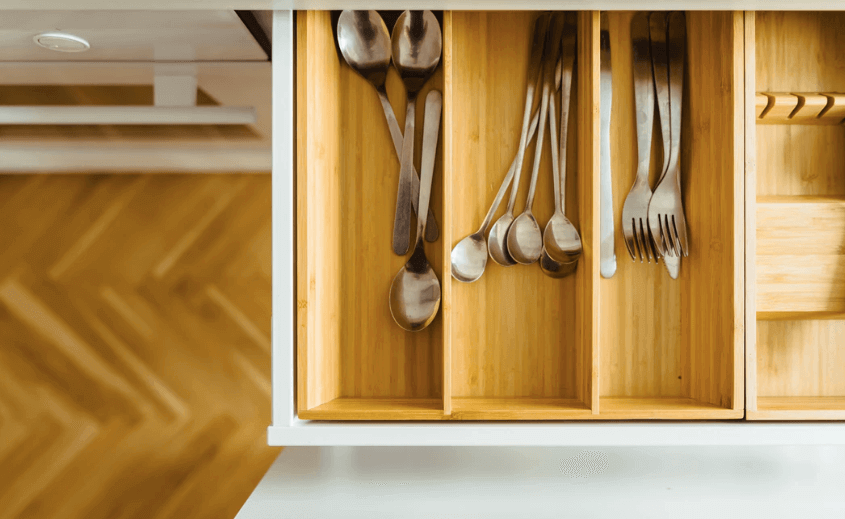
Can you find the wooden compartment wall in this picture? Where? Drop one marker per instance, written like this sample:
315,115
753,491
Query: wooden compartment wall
516,345
796,355
673,348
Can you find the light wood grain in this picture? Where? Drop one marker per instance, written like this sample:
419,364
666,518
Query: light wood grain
446,223
346,408
795,356
750,212
674,408
348,344
514,331
520,408
801,108
682,339
801,255
589,153
134,344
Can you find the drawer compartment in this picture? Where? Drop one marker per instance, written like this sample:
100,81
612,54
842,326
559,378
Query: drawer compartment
796,354
516,345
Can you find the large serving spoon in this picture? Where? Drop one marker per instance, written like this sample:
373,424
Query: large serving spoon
365,44
497,241
561,240
525,240
469,256
415,292
417,43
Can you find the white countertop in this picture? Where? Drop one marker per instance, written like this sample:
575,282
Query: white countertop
537,482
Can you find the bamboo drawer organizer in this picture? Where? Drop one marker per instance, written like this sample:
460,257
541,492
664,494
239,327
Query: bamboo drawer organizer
517,345
796,217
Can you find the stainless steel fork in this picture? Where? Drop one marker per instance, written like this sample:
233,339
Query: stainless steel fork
635,211
666,209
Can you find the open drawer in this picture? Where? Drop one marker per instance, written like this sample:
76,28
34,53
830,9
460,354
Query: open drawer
796,216
516,345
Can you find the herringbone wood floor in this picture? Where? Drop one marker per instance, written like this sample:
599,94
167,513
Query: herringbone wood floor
134,344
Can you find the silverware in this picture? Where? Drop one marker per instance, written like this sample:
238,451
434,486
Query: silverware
561,241
525,241
607,252
365,44
416,43
666,210
415,291
469,256
660,69
497,240
635,211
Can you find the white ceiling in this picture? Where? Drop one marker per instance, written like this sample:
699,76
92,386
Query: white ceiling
131,36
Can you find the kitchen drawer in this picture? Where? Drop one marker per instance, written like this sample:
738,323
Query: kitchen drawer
515,345
796,217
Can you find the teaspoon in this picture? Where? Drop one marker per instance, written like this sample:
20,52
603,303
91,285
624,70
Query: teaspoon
417,43
469,257
525,241
497,241
365,44
561,240
415,292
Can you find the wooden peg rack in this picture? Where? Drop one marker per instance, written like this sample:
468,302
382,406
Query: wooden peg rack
800,108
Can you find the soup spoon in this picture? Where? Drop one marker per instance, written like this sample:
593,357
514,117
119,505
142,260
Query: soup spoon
525,241
415,292
561,240
365,44
417,43
497,241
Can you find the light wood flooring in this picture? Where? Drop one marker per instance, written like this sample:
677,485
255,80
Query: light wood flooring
134,344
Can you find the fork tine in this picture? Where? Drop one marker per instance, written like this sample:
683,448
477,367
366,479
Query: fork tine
673,237
652,243
629,241
654,229
645,255
681,232
668,248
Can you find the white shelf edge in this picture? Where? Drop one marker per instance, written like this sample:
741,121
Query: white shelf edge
630,434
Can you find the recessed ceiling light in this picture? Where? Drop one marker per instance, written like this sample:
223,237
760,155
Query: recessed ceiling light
61,42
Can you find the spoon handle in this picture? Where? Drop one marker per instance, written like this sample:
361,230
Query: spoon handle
551,53
507,180
541,26
432,232
570,37
402,220
431,130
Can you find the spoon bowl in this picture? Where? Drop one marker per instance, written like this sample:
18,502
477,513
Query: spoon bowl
417,43
365,44
525,240
555,269
497,241
415,293
561,240
469,258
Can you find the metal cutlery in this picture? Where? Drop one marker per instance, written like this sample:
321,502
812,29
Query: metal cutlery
666,211
415,291
365,45
607,254
635,227
497,240
525,241
417,43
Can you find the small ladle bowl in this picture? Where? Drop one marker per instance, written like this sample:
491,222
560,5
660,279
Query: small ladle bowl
525,239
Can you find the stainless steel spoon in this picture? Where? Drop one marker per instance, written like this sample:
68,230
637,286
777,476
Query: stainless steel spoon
417,43
469,256
415,292
561,240
497,240
365,44
525,240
